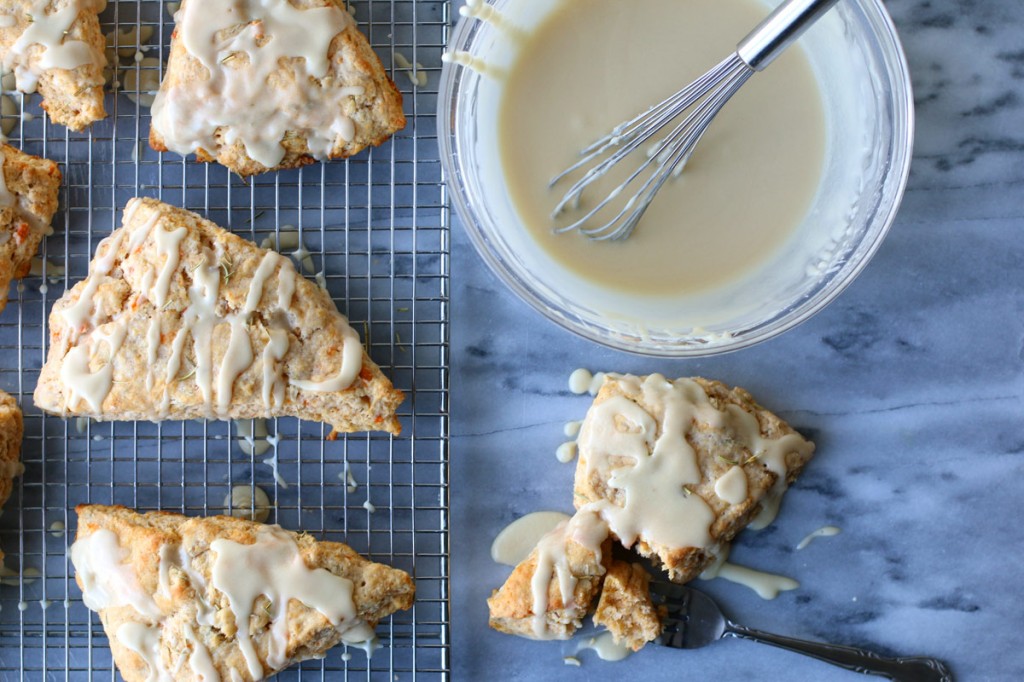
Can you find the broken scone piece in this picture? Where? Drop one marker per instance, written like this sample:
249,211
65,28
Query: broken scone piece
179,319
261,85
671,469
11,432
29,186
223,598
56,46
550,592
677,468
625,608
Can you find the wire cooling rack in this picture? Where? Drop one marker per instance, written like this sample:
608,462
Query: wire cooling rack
377,228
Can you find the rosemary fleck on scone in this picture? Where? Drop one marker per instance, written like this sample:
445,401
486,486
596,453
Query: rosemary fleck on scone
678,468
11,431
625,608
550,592
180,319
56,46
223,598
29,186
271,84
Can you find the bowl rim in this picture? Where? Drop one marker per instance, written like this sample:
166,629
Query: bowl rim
885,32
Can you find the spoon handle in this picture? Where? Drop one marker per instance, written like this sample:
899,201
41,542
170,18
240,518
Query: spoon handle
913,669
773,35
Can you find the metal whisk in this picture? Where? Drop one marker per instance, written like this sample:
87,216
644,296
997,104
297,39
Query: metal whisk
703,98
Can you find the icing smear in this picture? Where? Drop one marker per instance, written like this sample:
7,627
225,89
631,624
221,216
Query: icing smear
644,454
95,336
261,56
53,32
272,567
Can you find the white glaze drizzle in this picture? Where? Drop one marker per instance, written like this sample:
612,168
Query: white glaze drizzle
273,567
237,100
144,640
656,503
106,580
823,532
482,11
247,502
766,585
51,31
516,540
199,659
586,529
214,377
168,247
731,486
252,436
582,381
566,452
351,364
82,383
605,647
174,556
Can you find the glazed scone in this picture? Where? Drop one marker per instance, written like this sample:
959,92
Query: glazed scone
223,598
179,319
29,186
550,592
625,607
678,468
11,431
275,84
56,46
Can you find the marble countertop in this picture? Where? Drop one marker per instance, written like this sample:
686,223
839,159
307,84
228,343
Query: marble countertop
911,383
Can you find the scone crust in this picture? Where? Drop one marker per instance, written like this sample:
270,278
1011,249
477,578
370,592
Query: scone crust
378,590
377,113
716,453
511,606
71,97
11,432
314,351
35,184
625,608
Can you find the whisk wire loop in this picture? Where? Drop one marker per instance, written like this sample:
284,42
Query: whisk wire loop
705,96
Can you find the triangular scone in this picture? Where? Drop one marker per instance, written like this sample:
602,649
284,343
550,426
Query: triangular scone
625,608
271,84
179,319
29,186
678,468
550,592
56,46
11,431
223,598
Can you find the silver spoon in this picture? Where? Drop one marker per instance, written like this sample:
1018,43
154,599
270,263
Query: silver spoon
694,620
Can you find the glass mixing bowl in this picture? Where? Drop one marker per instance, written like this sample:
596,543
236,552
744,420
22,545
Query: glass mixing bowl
862,72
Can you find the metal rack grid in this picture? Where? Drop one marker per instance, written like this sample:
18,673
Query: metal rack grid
377,228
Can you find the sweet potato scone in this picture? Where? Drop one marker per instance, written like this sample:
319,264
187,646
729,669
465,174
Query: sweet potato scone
678,468
29,186
672,470
179,319
271,84
11,431
222,598
550,592
56,46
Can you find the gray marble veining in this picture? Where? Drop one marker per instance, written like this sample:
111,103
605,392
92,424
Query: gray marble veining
911,383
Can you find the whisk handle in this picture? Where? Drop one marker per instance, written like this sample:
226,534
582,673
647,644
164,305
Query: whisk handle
773,35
